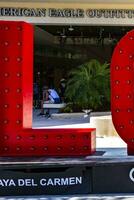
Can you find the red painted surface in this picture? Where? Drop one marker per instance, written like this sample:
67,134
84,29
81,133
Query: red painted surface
122,89
17,138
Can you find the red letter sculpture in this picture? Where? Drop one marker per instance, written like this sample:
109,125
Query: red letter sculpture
122,89
17,138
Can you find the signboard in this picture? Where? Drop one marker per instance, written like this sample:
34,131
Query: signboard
68,15
87,176
42,180
114,178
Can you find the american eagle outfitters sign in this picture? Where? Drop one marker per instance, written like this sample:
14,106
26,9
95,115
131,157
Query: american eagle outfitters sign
67,13
67,16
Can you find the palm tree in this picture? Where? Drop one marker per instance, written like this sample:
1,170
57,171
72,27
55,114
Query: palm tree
88,85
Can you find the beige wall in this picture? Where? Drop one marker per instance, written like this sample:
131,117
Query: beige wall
67,5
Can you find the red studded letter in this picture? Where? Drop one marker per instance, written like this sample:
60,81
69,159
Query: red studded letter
122,89
17,138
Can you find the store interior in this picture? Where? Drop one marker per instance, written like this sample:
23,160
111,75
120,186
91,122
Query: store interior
59,49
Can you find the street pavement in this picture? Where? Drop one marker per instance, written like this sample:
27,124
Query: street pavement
116,148
83,197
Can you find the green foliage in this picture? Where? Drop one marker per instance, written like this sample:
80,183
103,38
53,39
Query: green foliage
89,85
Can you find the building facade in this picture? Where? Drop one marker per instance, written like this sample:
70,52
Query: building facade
76,12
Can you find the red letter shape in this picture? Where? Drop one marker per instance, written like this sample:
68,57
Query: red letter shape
122,89
17,138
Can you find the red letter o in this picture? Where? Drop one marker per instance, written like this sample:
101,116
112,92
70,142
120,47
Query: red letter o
122,89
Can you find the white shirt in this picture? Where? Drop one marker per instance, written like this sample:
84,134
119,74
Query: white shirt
53,93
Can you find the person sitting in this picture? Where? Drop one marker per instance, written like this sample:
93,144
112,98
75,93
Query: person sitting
49,96
53,96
